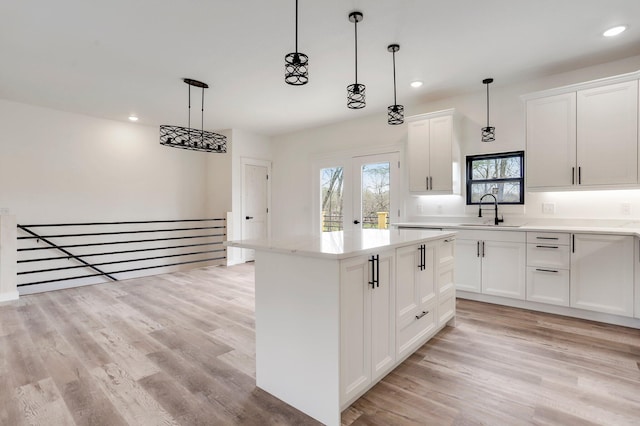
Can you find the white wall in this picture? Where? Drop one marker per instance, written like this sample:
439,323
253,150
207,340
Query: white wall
59,167
294,154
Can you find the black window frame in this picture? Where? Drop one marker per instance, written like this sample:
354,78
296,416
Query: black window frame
471,158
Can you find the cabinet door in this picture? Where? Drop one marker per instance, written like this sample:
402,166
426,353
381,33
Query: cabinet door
416,294
636,312
608,134
355,327
468,267
440,157
551,127
418,155
602,273
504,269
383,331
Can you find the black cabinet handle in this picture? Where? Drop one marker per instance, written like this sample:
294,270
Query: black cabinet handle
375,271
579,175
478,249
483,249
548,247
547,270
420,315
547,238
431,182
573,176
248,217
420,262
426,182
573,241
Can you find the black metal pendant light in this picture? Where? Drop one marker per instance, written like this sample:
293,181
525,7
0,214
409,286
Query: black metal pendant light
488,133
193,139
355,92
395,111
296,64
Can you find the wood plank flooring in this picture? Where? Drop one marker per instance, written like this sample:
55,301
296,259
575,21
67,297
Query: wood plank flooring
179,349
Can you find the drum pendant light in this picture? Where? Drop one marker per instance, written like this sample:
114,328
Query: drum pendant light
395,111
296,64
355,92
488,133
193,139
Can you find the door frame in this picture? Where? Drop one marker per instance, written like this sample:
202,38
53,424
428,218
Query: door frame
248,161
344,159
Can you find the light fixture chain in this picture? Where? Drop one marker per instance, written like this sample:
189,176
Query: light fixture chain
395,102
356,50
487,104
202,112
189,120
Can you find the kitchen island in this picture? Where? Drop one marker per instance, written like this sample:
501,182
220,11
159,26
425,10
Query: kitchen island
335,312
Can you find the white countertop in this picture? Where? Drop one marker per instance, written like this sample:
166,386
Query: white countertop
342,245
599,226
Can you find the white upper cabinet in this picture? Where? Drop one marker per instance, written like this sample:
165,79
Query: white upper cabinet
433,153
551,128
608,134
584,135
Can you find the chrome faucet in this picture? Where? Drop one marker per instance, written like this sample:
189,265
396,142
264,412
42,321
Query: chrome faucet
495,203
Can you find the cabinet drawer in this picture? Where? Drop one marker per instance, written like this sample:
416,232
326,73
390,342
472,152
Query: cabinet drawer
416,332
555,238
548,285
548,255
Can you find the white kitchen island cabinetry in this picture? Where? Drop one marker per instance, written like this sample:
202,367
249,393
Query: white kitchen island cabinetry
367,338
491,262
326,315
433,153
602,273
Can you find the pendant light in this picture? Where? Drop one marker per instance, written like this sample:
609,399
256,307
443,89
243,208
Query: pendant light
395,111
296,64
488,133
193,139
355,92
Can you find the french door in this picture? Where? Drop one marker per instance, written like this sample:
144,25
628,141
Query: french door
361,193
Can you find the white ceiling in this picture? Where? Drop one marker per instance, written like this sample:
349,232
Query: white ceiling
118,57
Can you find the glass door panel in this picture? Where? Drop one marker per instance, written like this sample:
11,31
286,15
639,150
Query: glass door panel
375,193
332,198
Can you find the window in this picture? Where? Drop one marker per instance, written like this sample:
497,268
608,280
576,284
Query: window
499,174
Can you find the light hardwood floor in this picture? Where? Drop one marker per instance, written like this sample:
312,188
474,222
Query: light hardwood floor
179,349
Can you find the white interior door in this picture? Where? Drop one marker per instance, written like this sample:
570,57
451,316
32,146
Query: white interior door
255,203
375,191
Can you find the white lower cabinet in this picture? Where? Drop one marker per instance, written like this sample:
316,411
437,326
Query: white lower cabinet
425,296
548,262
602,273
367,320
491,262
391,303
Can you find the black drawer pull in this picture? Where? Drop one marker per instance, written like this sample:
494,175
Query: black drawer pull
551,247
547,238
422,314
547,270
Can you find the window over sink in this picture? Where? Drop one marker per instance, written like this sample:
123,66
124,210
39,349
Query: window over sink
500,174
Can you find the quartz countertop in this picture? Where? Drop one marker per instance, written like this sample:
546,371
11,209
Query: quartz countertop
600,226
341,244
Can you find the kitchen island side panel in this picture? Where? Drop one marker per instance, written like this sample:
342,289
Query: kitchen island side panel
298,332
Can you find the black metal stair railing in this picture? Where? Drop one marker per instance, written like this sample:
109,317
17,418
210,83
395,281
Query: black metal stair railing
78,249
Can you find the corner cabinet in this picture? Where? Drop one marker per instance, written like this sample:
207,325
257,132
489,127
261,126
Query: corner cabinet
433,153
602,273
591,128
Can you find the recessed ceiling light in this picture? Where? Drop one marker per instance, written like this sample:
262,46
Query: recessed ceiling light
133,118
416,83
612,32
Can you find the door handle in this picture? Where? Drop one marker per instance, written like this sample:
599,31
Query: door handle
248,217
356,221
